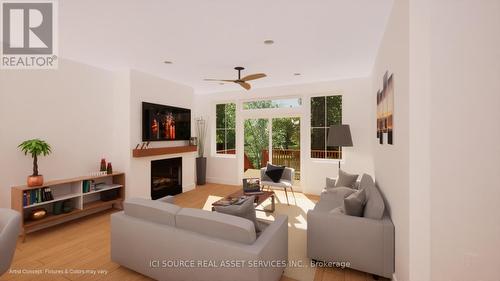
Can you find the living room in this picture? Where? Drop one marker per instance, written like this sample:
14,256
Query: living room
415,81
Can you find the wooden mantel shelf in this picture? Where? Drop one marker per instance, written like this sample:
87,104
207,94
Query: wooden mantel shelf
163,150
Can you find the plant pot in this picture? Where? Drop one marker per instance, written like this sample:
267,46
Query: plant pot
201,170
35,180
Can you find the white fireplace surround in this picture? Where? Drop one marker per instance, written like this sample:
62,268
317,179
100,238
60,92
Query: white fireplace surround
139,175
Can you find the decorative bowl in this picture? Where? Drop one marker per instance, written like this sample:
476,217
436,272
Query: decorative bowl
37,214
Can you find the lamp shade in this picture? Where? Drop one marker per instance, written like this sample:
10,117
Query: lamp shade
339,135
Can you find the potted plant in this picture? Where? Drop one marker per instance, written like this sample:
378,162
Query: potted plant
201,160
35,148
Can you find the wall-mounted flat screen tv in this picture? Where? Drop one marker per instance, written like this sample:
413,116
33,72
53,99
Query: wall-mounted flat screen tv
165,123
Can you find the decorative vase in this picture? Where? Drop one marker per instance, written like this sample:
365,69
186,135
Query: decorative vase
201,170
35,181
109,169
67,206
57,208
103,165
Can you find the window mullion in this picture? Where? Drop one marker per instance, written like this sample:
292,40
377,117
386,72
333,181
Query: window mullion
326,131
225,129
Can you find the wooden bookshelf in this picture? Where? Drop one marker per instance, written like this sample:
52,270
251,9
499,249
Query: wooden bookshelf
84,203
163,150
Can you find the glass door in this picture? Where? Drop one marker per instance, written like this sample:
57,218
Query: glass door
256,146
275,140
286,143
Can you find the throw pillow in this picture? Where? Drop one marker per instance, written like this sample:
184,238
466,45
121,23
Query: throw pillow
345,179
274,172
354,203
245,210
330,182
332,198
375,205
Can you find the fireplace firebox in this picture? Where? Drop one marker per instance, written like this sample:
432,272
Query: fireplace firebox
166,177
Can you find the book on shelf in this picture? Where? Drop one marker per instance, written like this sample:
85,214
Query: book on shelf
48,194
101,186
38,195
88,185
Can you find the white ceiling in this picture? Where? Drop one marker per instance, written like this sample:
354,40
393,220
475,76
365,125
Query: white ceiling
323,40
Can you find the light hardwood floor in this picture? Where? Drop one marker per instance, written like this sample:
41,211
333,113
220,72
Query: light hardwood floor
84,244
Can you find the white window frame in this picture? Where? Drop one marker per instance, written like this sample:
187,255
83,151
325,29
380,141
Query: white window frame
326,127
214,126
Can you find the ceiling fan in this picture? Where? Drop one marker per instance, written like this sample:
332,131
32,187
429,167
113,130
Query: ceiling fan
242,81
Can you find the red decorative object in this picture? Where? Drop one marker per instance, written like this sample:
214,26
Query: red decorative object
109,169
103,165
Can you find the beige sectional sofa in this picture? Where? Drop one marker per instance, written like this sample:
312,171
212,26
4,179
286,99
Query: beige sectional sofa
167,242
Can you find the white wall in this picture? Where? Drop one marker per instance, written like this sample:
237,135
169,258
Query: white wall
149,88
121,121
392,161
465,139
356,111
85,114
71,108
454,136
419,124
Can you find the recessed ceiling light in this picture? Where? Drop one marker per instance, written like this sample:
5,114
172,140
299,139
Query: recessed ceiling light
167,62
297,74
268,42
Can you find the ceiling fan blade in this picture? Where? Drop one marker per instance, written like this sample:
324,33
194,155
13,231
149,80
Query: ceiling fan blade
220,80
253,76
244,85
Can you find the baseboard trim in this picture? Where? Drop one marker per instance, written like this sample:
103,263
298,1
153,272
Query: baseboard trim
394,277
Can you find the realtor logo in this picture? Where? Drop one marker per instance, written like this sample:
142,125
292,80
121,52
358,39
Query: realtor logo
28,34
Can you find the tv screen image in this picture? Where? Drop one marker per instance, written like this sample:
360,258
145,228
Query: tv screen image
164,123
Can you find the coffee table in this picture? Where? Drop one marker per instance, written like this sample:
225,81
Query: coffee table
259,199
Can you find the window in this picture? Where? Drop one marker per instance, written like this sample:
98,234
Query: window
273,103
225,128
325,111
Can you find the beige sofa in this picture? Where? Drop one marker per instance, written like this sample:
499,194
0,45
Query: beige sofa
167,242
366,242
10,226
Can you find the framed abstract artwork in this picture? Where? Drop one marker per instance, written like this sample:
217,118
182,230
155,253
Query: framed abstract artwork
385,110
